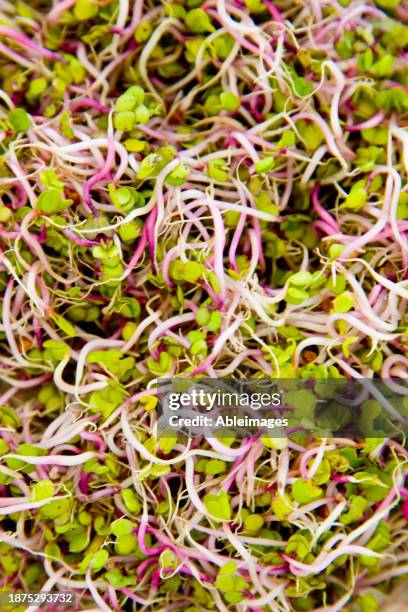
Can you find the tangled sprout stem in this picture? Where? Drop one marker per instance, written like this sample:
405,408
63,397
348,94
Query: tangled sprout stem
192,189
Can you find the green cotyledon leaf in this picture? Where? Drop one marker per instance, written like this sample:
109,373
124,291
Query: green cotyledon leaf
218,505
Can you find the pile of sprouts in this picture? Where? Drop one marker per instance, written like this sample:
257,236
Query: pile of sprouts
198,189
